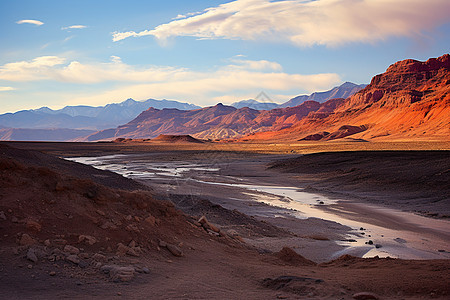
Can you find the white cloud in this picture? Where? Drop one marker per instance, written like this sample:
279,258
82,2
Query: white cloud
239,77
201,88
74,27
36,69
6,89
255,65
306,22
35,22
56,68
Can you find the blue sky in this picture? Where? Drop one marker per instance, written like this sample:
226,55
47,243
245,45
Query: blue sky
58,53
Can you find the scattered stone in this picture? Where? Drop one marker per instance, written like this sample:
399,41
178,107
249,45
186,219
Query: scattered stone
321,202
2,215
61,242
441,250
378,246
365,296
107,268
83,264
134,251
132,244
162,244
87,239
47,243
122,249
174,250
52,273
121,273
73,259
151,220
100,212
26,240
99,257
146,270
361,228
71,249
207,225
108,225
14,219
400,240
370,242
79,283
84,255
31,255
232,232
33,225
30,266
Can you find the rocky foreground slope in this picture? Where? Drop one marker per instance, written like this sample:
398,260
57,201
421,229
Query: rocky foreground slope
63,235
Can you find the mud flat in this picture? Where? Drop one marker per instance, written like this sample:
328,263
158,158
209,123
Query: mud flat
257,210
342,225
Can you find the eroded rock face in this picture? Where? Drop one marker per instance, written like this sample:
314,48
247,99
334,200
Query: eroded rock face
409,78
411,100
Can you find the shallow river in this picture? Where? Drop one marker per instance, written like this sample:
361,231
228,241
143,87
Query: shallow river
429,241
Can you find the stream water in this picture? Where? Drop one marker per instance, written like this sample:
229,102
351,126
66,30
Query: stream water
406,244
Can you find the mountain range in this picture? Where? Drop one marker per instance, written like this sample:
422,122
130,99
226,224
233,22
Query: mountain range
410,100
345,90
85,117
214,122
73,122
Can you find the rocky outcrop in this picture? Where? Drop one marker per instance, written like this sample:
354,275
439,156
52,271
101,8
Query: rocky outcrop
411,100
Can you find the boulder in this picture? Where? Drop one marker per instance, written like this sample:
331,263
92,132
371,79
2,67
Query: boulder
71,249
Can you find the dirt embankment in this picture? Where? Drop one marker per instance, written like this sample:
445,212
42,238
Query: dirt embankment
410,180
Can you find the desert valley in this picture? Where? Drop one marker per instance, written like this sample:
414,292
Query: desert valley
332,183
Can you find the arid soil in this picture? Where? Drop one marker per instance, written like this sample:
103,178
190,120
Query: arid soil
72,231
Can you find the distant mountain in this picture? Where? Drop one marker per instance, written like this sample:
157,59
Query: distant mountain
410,101
255,104
56,135
214,122
345,90
118,112
41,120
86,117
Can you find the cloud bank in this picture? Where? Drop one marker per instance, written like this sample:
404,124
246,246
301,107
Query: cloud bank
6,88
238,77
34,22
305,22
74,27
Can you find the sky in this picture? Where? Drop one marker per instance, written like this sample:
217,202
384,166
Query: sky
55,53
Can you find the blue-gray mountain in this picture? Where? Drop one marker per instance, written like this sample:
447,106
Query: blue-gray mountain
343,91
86,117
255,104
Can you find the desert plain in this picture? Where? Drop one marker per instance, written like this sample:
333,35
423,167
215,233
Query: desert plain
185,220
